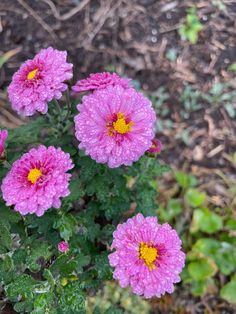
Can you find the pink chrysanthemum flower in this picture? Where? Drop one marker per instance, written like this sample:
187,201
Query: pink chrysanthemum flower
63,247
115,125
148,256
38,180
38,81
156,147
3,137
99,81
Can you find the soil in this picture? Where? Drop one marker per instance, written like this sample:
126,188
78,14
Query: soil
133,37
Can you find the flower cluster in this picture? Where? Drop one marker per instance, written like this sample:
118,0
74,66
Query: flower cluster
114,126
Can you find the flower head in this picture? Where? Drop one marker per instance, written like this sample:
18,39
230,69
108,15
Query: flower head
148,256
38,81
115,125
156,147
3,137
99,81
63,247
38,180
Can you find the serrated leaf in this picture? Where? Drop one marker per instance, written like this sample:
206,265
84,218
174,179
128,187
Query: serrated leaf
5,238
72,299
102,266
23,285
66,225
76,190
37,252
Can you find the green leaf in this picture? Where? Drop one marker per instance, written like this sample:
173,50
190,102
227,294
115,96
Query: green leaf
43,302
102,266
37,254
194,197
7,271
226,258
82,261
198,288
76,190
22,286
48,275
72,299
208,247
171,54
223,253
174,208
5,238
185,180
206,221
232,67
202,269
231,224
66,225
228,291
63,266
8,216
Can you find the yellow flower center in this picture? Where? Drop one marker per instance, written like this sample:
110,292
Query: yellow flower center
120,125
34,175
149,254
31,74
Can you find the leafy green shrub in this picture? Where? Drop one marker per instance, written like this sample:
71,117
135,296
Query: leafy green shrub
34,275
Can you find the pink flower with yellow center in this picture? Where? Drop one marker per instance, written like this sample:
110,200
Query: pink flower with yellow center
115,125
38,180
3,137
147,257
38,81
99,81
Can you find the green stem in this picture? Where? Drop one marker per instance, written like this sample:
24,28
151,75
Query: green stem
68,103
58,106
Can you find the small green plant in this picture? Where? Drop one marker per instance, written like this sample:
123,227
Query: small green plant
219,5
207,233
232,67
171,54
191,28
190,99
222,94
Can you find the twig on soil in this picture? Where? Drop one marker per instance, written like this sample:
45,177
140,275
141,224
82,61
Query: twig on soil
15,122
69,14
38,19
173,28
101,16
215,151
